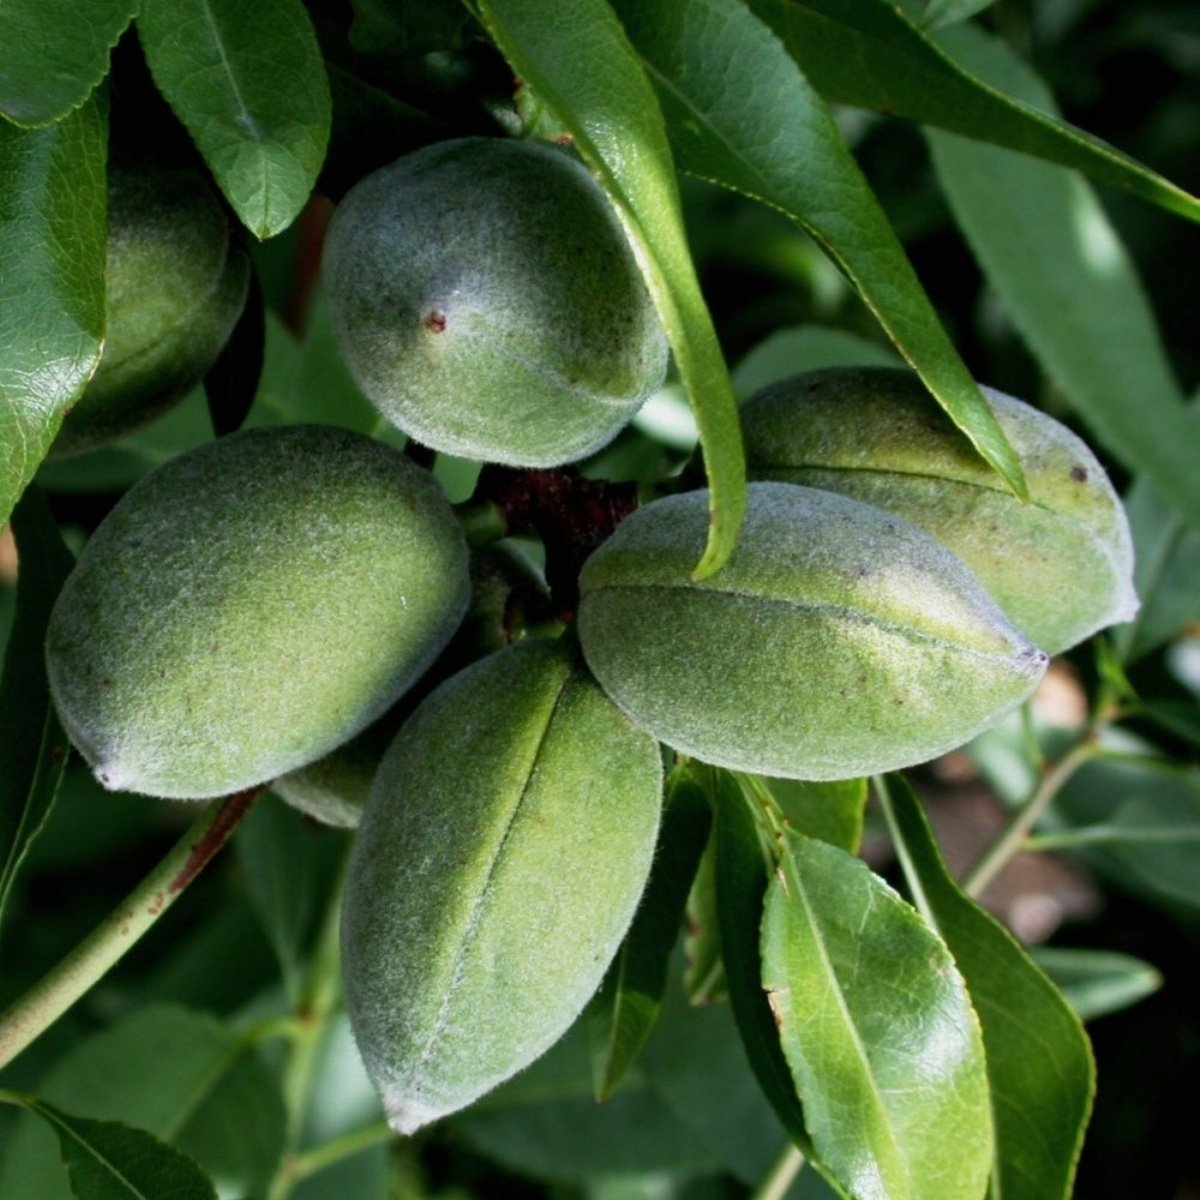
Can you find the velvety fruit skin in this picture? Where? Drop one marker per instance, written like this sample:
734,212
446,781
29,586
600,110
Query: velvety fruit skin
487,301
249,606
839,640
334,789
1061,567
500,858
175,283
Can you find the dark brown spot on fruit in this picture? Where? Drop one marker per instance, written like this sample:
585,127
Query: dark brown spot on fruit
435,321
1079,474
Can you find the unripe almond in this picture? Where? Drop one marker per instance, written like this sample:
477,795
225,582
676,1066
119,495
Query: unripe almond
334,789
174,285
502,853
249,606
838,640
1061,566
487,301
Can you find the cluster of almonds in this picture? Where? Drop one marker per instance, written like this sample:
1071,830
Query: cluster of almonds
252,606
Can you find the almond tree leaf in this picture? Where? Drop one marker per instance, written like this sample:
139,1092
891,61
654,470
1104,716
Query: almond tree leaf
878,1030
741,114
247,79
806,348
704,973
35,745
53,226
939,13
1039,1061
1097,982
868,53
741,882
53,53
627,1006
1081,308
1166,565
108,1160
180,1075
574,56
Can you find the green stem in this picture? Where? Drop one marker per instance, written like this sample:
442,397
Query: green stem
1098,835
349,1144
782,1175
483,523
38,1009
1012,840
317,1004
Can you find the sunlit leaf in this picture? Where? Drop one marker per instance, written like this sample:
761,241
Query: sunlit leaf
1039,1062
53,227
741,114
52,54
741,883
249,83
870,54
594,84
1068,284
878,1030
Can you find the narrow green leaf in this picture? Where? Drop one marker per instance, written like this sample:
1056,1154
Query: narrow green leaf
1046,246
703,971
107,1160
870,54
741,114
741,879
35,744
877,1027
183,1077
575,56
627,1006
249,83
52,233
1097,982
1166,565
806,348
52,55
1136,821
940,13
1039,1062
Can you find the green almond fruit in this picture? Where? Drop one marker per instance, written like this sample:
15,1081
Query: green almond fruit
487,301
175,284
334,789
251,605
839,640
501,856
1061,566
